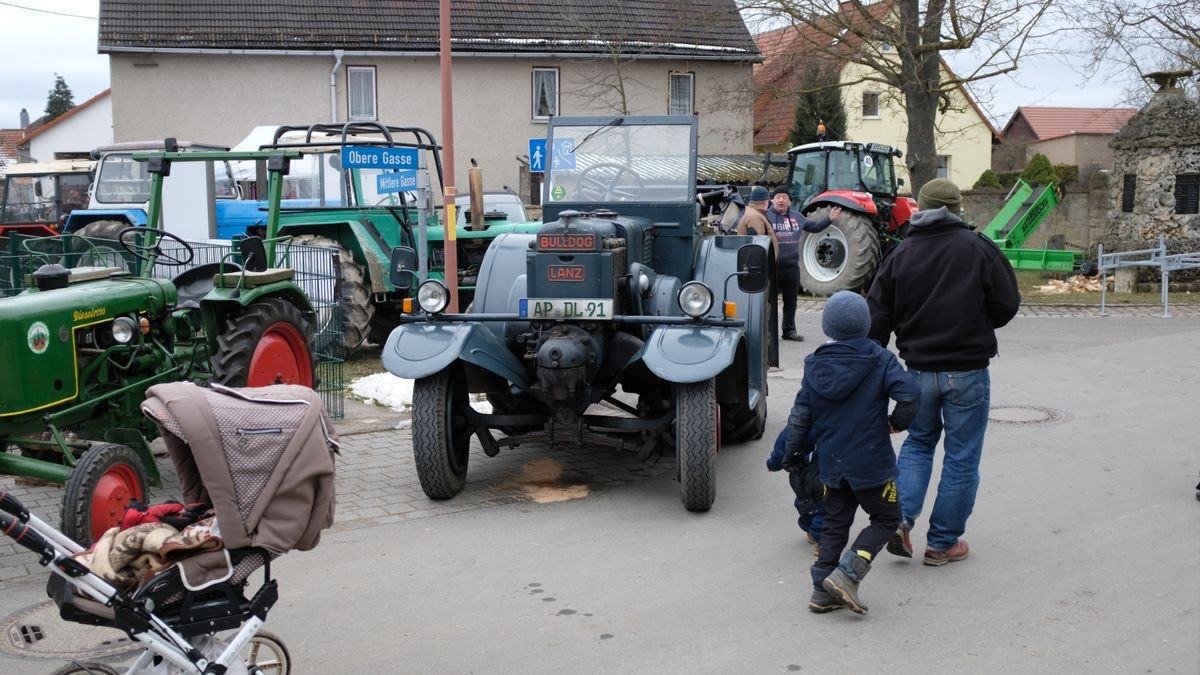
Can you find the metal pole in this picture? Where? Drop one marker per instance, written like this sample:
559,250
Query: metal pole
450,240
1166,274
1103,277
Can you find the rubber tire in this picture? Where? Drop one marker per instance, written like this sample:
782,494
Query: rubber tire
357,309
106,230
862,254
86,668
272,642
78,492
740,424
696,443
441,455
235,347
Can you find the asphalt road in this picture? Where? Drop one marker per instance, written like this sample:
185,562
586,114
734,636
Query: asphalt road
1084,550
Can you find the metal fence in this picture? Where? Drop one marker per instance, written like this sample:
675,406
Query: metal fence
316,271
1147,257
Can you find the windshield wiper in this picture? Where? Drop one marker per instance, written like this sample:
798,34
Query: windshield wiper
616,122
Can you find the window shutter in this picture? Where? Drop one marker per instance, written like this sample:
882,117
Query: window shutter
1187,193
1128,190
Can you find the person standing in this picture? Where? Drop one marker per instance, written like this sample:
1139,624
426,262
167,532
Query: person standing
843,403
789,224
943,291
754,221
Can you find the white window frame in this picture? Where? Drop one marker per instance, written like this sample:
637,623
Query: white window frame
352,90
878,103
533,94
943,167
671,103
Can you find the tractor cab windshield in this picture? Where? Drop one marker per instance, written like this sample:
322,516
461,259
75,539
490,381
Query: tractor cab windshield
837,166
620,160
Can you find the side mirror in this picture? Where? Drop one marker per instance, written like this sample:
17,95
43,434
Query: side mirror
403,271
254,254
752,268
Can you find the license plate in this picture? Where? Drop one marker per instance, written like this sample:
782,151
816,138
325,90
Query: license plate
581,309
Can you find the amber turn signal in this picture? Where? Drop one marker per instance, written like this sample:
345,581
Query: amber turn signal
408,305
729,308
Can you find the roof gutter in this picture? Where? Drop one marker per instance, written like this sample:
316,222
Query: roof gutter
727,56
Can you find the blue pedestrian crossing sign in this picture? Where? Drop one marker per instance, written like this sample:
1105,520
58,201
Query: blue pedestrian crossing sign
562,154
537,155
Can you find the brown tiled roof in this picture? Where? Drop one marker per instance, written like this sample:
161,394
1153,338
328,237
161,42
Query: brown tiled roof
65,116
1048,123
10,139
696,28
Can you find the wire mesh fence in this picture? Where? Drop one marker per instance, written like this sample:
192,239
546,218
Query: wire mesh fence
192,268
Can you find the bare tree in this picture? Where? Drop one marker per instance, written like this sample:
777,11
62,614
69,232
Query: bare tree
1141,36
901,43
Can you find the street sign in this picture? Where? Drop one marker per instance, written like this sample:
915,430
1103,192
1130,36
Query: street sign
396,181
563,153
367,157
537,155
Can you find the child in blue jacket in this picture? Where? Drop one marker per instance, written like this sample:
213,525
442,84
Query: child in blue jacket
803,477
843,404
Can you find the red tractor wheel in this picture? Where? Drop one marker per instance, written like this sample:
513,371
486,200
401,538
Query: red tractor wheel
107,477
268,343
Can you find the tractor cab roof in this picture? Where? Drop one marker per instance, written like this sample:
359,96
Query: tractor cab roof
847,145
58,166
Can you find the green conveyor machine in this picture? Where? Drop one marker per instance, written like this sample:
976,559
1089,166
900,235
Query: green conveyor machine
1022,213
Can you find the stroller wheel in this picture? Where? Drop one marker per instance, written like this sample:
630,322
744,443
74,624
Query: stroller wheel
266,654
85,668
107,477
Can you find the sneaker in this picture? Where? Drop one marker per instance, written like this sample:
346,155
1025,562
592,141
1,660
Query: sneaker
793,336
936,558
822,602
900,544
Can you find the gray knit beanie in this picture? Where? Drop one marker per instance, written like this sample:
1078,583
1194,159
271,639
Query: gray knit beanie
846,316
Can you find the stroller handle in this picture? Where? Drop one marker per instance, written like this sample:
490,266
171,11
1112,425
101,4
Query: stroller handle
12,505
25,536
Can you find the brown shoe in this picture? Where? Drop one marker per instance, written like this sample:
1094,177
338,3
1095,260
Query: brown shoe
900,544
936,558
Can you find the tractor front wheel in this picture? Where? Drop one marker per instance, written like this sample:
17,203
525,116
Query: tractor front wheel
440,432
107,477
843,256
357,310
267,343
697,428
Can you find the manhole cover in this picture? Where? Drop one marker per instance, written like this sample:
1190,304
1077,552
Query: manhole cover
1025,415
38,632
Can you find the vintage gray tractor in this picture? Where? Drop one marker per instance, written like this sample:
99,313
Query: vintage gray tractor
621,288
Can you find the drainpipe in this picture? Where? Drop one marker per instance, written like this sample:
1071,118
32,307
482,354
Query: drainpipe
337,63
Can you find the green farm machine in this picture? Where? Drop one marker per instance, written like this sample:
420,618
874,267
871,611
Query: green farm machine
87,326
1025,208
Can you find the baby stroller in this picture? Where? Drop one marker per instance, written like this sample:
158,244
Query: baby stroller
262,458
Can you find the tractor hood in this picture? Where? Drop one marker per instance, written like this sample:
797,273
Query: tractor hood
38,333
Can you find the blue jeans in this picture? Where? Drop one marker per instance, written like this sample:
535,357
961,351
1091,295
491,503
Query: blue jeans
957,404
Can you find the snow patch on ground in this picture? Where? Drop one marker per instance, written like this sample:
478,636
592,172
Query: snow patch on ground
387,390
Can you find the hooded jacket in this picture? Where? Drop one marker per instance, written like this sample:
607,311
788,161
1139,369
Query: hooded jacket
843,400
943,291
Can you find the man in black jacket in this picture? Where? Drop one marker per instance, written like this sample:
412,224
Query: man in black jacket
943,291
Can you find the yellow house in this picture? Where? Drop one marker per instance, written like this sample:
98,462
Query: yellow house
874,112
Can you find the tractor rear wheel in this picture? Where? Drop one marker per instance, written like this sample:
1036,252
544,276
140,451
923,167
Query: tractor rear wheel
267,343
357,310
843,256
105,251
697,441
107,477
440,435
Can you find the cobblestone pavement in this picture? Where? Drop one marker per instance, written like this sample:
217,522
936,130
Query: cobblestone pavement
377,483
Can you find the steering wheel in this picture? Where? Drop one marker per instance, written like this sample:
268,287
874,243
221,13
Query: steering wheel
155,252
608,182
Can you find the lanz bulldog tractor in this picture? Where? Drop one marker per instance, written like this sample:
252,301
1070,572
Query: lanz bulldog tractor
81,344
620,288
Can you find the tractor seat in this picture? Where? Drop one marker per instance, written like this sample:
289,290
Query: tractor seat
196,283
253,279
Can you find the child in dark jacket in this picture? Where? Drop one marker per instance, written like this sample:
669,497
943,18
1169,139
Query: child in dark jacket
802,470
843,403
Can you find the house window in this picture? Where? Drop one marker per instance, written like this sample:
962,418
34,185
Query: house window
1128,190
871,105
1187,193
360,89
681,99
943,170
545,93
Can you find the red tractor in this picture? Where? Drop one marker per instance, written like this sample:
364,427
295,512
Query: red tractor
860,178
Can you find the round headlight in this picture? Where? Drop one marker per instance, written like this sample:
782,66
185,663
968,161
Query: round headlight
432,296
695,299
122,329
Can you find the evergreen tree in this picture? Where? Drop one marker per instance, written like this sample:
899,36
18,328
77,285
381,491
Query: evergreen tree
60,99
1039,171
818,103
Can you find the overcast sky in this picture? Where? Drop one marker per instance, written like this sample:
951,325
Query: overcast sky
38,44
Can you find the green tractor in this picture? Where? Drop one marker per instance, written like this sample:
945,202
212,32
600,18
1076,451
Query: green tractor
96,325
364,209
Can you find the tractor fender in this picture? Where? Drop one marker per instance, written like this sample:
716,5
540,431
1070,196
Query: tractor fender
416,350
687,354
859,202
222,303
80,217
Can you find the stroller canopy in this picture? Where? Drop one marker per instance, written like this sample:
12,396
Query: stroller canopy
262,456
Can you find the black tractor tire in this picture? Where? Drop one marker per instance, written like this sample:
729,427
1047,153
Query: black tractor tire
385,320
441,441
696,443
843,256
106,478
741,423
357,309
238,361
105,249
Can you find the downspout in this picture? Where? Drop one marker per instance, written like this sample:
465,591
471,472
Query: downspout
337,63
